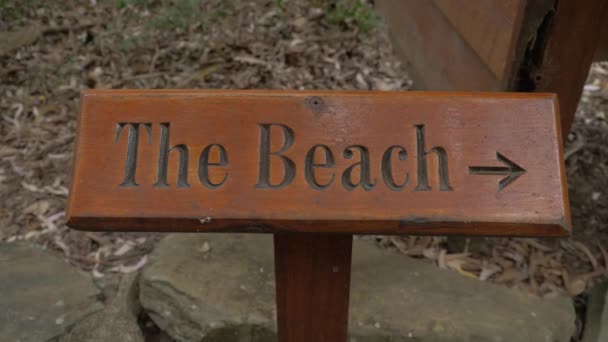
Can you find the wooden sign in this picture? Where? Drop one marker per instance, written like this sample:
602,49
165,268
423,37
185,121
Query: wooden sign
332,162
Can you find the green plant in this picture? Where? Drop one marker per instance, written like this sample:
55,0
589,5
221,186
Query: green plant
355,12
127,44
179,14
138,3
10,10
167,14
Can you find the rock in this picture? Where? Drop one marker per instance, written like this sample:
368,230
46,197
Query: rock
596,319
241,333
11,41
197,282
203,285
400,296
117,321
42,296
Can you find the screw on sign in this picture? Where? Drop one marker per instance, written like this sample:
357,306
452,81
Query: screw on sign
314,168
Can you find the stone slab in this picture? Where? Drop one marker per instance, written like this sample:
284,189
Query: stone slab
200,285
117,321
42,295
596,320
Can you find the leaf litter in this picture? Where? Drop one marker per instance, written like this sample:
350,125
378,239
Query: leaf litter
66,47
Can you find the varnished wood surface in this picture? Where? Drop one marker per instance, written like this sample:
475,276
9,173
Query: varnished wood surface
439,56
472,130
560,52
509,45
312,286
601,52
489,27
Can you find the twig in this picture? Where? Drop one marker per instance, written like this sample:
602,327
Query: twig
65,29
137,77
88,261
576,146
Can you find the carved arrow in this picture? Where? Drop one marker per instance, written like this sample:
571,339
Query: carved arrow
511,170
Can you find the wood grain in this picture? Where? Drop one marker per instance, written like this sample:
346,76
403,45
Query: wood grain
472,129
601,52
559,53
439,56
489,27
313,286
511,45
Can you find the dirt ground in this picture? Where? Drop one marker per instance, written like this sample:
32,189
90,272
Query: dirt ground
56,49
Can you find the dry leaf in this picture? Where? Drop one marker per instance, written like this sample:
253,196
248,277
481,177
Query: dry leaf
38,208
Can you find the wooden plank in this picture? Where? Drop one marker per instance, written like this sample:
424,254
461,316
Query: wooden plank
511,45
489,27
440,58
313,286
601,52
382,162
558,55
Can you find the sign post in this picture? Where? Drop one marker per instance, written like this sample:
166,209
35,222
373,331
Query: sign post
312,285
314,168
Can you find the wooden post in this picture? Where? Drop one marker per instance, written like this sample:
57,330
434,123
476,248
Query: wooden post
312,285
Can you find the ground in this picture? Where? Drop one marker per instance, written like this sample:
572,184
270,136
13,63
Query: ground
50,51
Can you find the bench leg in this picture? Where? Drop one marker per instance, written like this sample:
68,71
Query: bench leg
312,286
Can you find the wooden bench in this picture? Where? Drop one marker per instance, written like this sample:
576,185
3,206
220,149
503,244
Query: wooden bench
506,45
314,168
